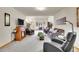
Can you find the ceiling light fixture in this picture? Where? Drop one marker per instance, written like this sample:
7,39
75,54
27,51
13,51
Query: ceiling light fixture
40,8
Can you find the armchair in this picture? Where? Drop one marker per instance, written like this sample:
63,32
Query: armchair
29,31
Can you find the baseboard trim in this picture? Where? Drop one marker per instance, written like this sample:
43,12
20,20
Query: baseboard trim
6,44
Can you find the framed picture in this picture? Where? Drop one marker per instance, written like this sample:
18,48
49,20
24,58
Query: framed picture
78,17
7,19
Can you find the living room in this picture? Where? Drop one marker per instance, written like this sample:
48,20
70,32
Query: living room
32,22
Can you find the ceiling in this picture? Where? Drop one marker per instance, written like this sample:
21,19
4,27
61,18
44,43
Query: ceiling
31,11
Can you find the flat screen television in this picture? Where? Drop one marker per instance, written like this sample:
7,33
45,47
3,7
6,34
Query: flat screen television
20,22
61,21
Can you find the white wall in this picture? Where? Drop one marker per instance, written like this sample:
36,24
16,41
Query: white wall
5,31
70,14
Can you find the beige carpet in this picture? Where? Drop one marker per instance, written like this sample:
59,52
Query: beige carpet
28,44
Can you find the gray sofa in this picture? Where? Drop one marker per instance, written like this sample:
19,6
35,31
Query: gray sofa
65,47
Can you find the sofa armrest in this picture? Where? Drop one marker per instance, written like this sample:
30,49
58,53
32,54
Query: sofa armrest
47,47
58,41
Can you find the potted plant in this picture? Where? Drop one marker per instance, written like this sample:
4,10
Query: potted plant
41,36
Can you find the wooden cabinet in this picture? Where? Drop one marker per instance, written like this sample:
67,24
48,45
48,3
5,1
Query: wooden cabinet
19,34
